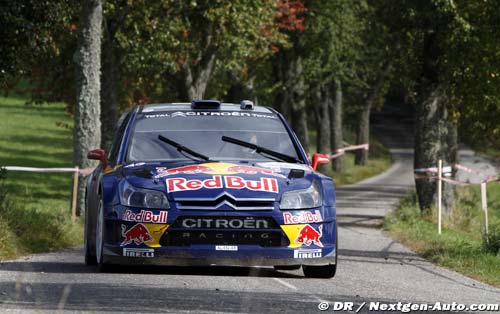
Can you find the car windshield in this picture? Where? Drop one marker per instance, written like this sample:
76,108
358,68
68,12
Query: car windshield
202,132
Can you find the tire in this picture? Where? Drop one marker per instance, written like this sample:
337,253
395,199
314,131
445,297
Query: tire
287,267
90,258
327,271
102,266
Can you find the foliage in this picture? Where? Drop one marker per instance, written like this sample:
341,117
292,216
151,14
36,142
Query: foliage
467,50
37,41
491,241
160,41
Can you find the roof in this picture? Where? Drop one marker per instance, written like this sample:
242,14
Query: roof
187,106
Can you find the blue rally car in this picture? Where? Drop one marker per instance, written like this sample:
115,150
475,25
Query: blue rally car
206,183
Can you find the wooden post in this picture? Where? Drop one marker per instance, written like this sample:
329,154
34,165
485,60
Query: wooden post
75,194
439,193
484,206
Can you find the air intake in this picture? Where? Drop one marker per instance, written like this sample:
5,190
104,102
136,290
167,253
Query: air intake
205,104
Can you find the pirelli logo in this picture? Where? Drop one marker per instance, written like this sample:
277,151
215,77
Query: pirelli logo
313,253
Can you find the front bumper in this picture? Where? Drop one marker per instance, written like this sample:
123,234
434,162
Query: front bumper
273,239
208,257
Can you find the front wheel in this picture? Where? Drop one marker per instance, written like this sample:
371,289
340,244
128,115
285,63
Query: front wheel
90,258
99,239
327,271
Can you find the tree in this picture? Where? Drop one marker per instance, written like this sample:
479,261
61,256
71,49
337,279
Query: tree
373,73
330,43
87,130
454,53
37,39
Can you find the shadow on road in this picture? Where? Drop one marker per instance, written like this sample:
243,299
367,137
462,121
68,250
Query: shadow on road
75,268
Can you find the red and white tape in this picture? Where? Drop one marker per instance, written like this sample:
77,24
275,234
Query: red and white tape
433,170
341,151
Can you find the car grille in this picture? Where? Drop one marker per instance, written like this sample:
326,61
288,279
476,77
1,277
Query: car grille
225,201
224,230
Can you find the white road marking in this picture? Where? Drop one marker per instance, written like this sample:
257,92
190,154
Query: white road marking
286,284
289,285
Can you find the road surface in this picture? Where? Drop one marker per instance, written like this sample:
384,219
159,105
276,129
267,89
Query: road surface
372,267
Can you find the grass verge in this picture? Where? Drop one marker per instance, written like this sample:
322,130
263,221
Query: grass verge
34,216
462,245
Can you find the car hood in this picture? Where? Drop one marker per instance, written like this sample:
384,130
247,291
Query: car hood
267,180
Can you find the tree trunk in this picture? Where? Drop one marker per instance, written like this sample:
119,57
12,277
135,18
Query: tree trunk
435,135
321,98
110,109
282,75
363,131
87,130
363,134
196,78
299,115
109,103
336,125
196,73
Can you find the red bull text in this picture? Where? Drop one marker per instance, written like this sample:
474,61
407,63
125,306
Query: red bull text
219,182
145,216
302,217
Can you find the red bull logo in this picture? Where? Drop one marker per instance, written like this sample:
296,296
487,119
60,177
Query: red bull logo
145,216
137,234
216,168
219,182
308,235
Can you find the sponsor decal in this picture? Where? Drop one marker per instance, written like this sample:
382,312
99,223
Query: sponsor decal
192,169
138,252
226,248
308,235
312,253
302,217
145,216
253,170
216,168
185,114
225,223
219,182
241,237
137,234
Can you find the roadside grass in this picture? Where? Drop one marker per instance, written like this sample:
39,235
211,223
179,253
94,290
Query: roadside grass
35,216
379,161
462,245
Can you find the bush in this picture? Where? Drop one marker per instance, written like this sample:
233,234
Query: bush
491,241
3,191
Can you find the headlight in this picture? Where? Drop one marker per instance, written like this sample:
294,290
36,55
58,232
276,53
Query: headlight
302,199
135,197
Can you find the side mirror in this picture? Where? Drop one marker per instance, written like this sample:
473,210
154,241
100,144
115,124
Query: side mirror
98,154
319,159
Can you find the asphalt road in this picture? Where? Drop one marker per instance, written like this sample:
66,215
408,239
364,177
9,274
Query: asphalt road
372,267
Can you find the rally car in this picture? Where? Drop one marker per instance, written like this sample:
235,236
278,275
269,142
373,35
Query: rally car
209,183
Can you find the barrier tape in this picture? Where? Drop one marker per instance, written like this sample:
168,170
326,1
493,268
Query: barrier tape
341,151
488,178
81,172
473,171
